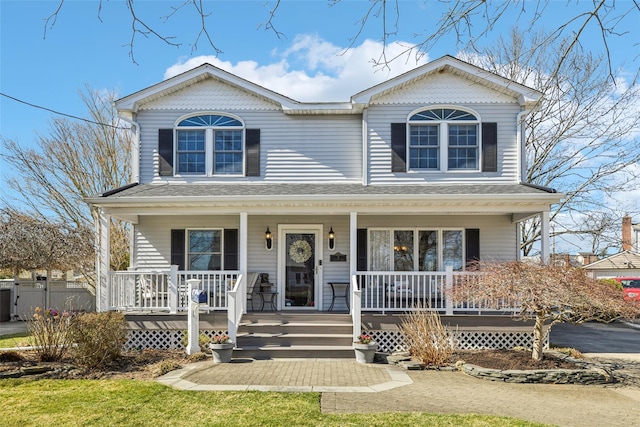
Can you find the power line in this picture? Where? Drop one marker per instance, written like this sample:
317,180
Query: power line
59,113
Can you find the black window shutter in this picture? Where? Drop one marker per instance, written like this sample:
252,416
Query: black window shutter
230,249
165,151
252,144
398,147
472,238
178,248
361,244
489,147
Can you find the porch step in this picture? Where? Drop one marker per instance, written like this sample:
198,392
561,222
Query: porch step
294,335
294,352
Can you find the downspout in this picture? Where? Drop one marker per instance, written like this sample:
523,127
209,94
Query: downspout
522,142
365,147
522,166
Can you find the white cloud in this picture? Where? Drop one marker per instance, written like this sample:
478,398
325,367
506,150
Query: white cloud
314,70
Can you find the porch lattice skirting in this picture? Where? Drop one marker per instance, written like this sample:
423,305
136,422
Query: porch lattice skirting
162,339
392,341
388,341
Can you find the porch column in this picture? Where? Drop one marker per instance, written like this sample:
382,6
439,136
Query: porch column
353,243
518,241
242,261
544,237
356,309
173,289
242,255
103,235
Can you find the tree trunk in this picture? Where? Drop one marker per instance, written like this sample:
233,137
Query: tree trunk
538,343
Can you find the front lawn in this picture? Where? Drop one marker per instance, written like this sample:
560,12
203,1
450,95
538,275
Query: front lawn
146,403
16,340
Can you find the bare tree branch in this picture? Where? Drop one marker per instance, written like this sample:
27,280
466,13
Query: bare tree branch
268,25
75,161
582,139
545,293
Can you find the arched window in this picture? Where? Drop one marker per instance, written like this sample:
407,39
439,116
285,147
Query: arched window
210,144
443,136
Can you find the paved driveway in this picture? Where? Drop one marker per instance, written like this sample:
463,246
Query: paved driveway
616,337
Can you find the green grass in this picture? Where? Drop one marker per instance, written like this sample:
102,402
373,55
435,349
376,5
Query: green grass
16,340
146,403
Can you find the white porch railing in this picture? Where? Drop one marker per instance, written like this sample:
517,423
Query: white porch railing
166,290
237,306
386,291
380,291
401,291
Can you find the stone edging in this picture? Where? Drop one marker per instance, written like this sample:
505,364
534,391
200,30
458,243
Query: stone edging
540,376
592,373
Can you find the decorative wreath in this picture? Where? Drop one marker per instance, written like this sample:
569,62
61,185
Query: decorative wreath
300,251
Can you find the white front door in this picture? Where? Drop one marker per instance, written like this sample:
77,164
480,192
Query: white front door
300,267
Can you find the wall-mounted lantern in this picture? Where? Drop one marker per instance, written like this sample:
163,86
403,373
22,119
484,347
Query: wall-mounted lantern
268,239
332,239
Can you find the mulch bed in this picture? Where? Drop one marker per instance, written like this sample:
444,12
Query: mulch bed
511,360
149,364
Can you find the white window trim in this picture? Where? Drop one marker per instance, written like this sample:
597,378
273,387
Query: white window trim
188,251
209,144
443,135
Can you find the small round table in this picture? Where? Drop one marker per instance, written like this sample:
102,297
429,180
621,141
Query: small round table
335,296
266,290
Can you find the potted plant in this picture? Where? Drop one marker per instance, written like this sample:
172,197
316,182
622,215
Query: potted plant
365,348
222,348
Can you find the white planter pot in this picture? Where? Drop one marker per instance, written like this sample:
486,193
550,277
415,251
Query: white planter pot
222,352
365,352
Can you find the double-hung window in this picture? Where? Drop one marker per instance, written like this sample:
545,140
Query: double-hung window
210,144
444,139
204,250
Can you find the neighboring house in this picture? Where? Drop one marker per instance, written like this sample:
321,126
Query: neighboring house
622,264
394,191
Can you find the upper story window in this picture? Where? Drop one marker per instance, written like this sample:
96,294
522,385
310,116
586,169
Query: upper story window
444,139
210,144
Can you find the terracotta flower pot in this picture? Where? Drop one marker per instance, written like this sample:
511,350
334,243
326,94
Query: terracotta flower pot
222,352
365,352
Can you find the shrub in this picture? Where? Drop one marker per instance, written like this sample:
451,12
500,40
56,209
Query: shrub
203,340
99,338
426,338
50,331
10,356
198,357
612,282
164,367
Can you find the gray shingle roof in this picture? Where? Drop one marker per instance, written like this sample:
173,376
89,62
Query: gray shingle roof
196,190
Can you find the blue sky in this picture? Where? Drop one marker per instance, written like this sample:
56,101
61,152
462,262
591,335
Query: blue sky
308,62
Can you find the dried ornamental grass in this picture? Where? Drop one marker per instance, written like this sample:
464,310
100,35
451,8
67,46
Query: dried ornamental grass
50,331
426,338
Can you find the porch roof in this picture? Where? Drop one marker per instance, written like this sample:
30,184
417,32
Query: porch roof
336,198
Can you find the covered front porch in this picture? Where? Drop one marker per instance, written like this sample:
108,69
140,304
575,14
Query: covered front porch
312,248
229,294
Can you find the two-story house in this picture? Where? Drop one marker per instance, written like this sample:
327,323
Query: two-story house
392,193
